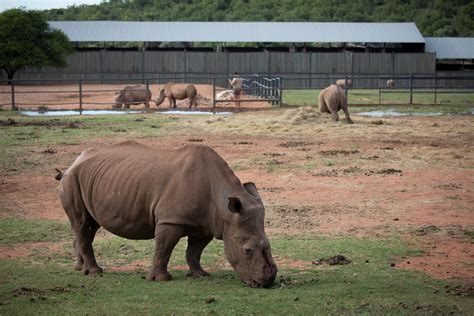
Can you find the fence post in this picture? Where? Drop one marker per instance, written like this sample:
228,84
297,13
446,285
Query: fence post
213,93
80,97
411,89
380,91
280,91
346,86
13,94
435,87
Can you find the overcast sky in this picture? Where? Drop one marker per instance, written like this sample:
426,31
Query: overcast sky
42,4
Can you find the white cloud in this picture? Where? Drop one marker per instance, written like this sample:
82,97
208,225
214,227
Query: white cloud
43,4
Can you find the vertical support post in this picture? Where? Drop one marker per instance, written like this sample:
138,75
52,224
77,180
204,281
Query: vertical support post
185,65
213,93
13,94
411,89
310,70
435,87
143,62
280,91
80,97
346,86
380,91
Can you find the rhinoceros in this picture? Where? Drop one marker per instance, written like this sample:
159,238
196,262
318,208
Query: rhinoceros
132,95
140,192
331,100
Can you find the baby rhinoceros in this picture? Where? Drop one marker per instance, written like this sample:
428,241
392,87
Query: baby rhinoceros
139,192
132,95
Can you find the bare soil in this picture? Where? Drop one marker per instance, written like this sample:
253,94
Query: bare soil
410,176
66,97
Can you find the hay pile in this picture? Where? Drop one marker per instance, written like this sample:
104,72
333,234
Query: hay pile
299,116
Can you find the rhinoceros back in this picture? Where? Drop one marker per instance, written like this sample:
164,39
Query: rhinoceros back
128,188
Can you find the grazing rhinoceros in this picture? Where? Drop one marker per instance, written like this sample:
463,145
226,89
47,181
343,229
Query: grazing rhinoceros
177,91
331,100
132,95
139,192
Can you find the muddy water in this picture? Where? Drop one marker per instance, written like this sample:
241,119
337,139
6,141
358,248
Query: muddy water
102,112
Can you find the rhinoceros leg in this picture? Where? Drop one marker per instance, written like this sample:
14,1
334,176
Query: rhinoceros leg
79,260
84,227
193,255
166,238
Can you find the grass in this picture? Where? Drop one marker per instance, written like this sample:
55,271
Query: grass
17,230
445,101
19,143
368,285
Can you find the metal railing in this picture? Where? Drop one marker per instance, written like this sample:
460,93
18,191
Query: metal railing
263,88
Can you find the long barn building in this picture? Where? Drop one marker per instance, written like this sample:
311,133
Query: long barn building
196,50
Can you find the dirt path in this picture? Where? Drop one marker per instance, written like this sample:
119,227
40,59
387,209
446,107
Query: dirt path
66,97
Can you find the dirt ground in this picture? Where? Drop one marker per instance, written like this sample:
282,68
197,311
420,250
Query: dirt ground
65,97
410,176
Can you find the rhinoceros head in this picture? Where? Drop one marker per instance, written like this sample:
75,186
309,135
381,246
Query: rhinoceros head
118,97
245,243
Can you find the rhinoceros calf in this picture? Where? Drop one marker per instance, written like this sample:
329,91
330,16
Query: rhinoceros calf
132,95
139,192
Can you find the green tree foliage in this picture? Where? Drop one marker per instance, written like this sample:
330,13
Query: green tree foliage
433,18
27,40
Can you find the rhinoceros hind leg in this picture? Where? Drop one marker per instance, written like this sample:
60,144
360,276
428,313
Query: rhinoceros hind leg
79,259
84,227
166,238
193,255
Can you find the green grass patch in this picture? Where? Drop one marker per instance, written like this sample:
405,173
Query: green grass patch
17,230
444,101
19,142
369,285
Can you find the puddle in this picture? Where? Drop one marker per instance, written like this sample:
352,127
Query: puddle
193,113
395,113
102,112
70,113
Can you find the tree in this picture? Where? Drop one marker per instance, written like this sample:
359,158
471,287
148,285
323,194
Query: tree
28,41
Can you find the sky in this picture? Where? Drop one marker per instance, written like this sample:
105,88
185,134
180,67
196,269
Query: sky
42,4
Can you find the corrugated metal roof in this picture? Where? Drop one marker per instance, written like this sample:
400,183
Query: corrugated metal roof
451,47
292,32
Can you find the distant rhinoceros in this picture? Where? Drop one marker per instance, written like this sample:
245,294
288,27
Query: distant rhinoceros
139,192
342,83
331,100
132,95
177,91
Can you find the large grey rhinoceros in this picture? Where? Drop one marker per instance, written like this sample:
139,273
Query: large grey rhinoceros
139,192
132,95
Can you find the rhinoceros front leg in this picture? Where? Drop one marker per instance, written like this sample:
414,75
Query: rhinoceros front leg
193,255
166,238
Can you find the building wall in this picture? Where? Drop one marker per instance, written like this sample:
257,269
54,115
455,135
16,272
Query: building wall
166,65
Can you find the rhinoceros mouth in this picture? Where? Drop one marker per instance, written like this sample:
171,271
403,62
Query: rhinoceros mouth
254,284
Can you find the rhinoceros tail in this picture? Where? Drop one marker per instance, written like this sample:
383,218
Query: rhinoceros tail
59,176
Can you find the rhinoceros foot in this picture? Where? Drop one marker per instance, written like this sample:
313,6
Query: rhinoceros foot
197,274
161,276
93,271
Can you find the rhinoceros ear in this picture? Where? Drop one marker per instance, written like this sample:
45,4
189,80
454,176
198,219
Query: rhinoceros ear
251,188
235,205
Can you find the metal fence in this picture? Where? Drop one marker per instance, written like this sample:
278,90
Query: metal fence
96,93
47,94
